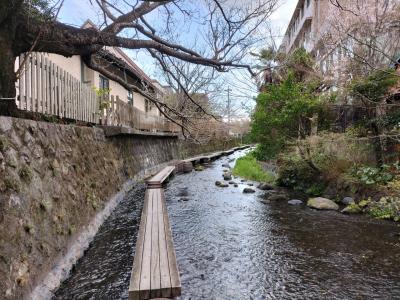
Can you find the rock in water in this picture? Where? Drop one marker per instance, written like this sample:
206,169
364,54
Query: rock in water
199,168
223,184
278,197
348,201
218,183
295,202
322,203
265,186
248,191
235,185
227,176
250,184
351,209
226,166
264,201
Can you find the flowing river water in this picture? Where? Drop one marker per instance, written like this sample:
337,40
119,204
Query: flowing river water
230,245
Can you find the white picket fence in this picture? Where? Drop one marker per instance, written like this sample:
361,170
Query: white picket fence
46,88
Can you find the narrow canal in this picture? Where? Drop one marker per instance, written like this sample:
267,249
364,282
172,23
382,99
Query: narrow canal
229,245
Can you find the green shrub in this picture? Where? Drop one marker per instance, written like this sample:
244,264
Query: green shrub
385,208
316,189
296,174
249,168
279,112
373,176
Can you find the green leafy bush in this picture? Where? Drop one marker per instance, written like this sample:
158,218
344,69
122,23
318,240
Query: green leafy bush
374,86
372,176
278,113
296,174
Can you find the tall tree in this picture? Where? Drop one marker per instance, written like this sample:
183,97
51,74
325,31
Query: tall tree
228,30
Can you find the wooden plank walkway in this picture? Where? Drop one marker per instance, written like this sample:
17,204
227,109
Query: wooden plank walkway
157,180
155,272
204,158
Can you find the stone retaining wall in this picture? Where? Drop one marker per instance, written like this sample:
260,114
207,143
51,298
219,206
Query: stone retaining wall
53,180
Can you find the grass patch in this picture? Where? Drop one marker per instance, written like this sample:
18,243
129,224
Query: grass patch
249,168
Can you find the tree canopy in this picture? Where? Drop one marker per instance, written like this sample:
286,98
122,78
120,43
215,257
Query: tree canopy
227,28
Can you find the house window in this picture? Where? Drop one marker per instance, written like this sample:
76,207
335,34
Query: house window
104,88
104,82
130,97
147,105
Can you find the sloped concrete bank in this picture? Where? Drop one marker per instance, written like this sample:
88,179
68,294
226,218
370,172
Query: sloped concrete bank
57,184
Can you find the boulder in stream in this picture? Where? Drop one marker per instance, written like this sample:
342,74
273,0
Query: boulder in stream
278,197
199,168
347,200
295,202
227,176
351,209
248,191
322,204
265,187
221,184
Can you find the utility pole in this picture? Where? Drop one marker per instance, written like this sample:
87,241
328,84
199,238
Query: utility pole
229,105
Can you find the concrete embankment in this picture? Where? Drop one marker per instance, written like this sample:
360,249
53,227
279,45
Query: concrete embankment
57,184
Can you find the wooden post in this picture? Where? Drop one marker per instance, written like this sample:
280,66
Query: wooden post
33,83
47,85
43,88
38,82
21,83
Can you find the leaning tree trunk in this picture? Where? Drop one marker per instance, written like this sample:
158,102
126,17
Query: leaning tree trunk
7,79
8,25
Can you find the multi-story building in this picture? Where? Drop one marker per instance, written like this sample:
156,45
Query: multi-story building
331,31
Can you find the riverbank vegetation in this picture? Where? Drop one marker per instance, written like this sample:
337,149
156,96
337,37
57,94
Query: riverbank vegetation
332,140
249,168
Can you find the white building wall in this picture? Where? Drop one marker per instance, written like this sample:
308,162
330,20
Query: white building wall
118,90
72,65
139,101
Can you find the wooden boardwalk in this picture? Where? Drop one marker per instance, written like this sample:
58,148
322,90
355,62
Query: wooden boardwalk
155,272
212,156
157,180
